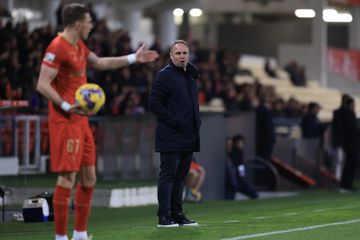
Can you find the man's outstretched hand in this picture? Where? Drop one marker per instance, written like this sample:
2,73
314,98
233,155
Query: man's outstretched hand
144,56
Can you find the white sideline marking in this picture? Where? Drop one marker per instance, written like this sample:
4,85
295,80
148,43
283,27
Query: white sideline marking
293,230
262,217
336,208
232,221
291,214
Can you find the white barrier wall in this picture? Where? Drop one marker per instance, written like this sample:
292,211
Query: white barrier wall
9,166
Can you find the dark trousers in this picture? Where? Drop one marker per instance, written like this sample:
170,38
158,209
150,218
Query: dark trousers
236,183
349,170
264,151
174,167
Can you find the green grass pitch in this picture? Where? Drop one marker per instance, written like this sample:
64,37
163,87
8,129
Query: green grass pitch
315,215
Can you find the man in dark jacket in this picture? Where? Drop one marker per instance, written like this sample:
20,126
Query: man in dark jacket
265,130
174,101
337,128
311,126
351,143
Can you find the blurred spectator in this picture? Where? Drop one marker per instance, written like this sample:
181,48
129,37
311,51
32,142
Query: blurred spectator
4,12
269,69
337,132
93,15
246,97
58,15
278,108
265,130
156,46
297,73
235,170
351,144
3,85
132,104
230,97
310,124
194,181
293,109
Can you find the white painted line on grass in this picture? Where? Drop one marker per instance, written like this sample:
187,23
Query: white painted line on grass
336,208
293,230
262,217
232,221
291,214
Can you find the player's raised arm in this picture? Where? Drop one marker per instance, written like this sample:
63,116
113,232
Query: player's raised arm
106,63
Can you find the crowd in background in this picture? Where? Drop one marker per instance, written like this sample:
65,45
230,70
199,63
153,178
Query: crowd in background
127,89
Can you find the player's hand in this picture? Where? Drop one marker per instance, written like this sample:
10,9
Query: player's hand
76,108
144,56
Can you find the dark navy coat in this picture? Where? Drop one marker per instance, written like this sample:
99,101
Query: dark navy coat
265,132
174,101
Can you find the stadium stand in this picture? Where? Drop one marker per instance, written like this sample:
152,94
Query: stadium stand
229,82
328,98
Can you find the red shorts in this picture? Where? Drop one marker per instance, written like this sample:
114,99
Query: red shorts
195,166
71,146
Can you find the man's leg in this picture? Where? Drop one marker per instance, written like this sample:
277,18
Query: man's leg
182,171
178,185
230,182
349,169
339,155
61,202
245,188
168,165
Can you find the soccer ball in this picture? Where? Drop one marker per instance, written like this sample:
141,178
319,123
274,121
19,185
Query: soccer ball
90,97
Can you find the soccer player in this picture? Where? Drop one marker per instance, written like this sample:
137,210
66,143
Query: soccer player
72,146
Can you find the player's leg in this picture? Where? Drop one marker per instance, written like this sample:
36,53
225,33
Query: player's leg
65,160
200,179
83,196
190,183
191,178
61,202
84,189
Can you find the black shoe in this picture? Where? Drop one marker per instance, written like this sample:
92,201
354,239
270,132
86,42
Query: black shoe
166,222
183,221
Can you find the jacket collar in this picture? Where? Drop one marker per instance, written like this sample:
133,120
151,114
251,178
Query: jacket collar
191,70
